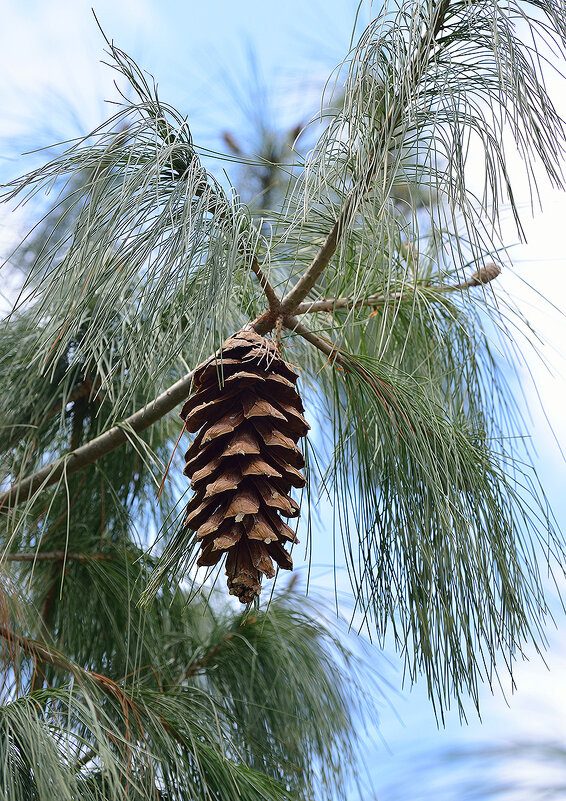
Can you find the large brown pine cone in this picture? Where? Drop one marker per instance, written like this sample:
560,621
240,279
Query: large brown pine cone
244,460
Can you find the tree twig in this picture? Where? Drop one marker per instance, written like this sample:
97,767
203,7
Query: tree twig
36,649
309,278
325,345
270,294
330,304
481,276
40,652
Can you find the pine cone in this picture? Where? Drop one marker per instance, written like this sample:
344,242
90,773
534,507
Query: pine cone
244,460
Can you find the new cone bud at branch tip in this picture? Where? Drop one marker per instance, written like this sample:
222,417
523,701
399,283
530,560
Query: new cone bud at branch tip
244,460
485,274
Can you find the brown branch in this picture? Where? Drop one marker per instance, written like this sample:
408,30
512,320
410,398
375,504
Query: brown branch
482,276
324,345
309,278
270,294
100,446
36,649
39,652
55,556
155,410
117,435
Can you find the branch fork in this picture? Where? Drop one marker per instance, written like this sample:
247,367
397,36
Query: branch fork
279,314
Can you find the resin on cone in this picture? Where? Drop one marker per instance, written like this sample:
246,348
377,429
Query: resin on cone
244,460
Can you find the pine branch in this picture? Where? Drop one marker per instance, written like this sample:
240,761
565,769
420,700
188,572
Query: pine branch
152,412
117,435
325,345
482,276
270,294
99,446
308,280
41,653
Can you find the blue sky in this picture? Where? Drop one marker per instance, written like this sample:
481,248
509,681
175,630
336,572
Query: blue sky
199,53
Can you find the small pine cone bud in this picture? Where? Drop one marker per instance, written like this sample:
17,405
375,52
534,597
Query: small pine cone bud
485,274
244,460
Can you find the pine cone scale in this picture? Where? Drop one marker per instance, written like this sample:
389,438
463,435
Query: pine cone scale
227,423
205,396
245,501
254,406
229,480
243,443
259,527
256,466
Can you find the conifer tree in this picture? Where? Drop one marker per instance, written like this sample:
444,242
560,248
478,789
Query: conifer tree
356,300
